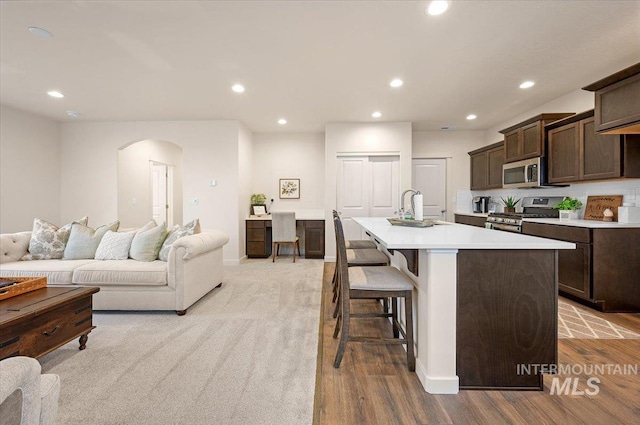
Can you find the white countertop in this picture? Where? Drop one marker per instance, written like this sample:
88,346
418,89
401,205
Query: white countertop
583,223
452,236
576,223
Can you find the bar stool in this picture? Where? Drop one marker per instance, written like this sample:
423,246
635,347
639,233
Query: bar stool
371,283
358,257
366,253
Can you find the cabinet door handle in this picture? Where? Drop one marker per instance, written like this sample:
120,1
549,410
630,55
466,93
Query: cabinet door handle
54,330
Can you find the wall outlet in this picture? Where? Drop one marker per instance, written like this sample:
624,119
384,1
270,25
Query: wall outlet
631,195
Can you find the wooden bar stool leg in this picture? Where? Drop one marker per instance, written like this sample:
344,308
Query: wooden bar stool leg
274,253
395,317
408,308
344,332
293,245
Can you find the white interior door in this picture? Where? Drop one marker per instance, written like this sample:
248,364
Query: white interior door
429,176
367,187
159,204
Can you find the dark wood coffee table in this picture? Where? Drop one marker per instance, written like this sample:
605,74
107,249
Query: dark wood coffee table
36,323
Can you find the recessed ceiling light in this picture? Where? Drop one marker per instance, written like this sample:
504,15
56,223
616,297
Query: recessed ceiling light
238,88
40,33
396,83
471,117
527,84
282,121
73,114
56,94
437,7
376,114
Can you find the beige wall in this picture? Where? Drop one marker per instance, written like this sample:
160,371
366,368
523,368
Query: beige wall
454,146
367,138
289,155
245,173
29,170
134,184
89,152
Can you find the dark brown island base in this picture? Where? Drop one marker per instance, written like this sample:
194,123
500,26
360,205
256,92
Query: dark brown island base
506,316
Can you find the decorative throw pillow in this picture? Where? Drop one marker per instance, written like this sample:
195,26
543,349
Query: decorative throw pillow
176,233
115,245
84,241
146,244
48,241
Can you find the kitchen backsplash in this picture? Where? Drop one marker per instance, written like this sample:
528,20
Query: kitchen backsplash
629,188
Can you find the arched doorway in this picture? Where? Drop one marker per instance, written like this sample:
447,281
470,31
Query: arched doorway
149,180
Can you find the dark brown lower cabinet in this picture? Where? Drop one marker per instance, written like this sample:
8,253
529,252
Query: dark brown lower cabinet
603,271
258,238
471,220
314,239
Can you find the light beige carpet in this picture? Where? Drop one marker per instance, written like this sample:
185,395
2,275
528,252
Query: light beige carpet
244,354
578,322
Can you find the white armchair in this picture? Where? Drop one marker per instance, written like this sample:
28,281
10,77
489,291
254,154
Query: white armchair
26,396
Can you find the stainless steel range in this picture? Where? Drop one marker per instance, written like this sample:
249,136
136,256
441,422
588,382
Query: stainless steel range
542,207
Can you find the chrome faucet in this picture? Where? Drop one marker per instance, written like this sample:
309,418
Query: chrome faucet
401,211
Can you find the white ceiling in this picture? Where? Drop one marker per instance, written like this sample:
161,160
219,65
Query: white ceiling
312,62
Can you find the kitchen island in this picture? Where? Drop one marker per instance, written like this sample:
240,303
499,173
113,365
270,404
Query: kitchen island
485,302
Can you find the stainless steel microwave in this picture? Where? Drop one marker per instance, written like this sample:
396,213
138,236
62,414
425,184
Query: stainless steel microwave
524,174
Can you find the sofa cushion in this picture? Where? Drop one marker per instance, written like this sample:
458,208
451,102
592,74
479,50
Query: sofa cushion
176,233
84,241
56,271
48,241
122,272
146,244
115,245
14,246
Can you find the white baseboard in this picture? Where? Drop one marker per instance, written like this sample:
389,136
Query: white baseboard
234,262
436,385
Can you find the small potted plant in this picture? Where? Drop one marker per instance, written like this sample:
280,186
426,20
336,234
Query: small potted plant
258,200
569,208
510,204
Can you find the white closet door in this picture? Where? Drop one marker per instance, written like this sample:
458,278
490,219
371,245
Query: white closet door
367,187
429,177
385,185
159,204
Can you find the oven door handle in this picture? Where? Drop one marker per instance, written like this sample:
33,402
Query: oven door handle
506,227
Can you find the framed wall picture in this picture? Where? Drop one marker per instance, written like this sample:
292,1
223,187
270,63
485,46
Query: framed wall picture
289,189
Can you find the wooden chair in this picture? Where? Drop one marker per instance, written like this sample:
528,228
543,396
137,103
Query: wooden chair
283,231
358,257
372,283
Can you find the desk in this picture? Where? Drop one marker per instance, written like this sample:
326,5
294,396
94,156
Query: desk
258,237
485,302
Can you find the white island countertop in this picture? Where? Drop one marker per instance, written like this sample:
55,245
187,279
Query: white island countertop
452,236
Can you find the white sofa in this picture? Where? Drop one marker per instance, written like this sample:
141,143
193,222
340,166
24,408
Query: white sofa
194,268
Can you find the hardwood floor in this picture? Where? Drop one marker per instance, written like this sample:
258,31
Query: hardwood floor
373,385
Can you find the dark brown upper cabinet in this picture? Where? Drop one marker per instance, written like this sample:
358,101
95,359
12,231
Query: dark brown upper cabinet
617,102
575,152
526,139
486,167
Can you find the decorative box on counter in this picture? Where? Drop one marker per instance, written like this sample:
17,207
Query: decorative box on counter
628,214
14,286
